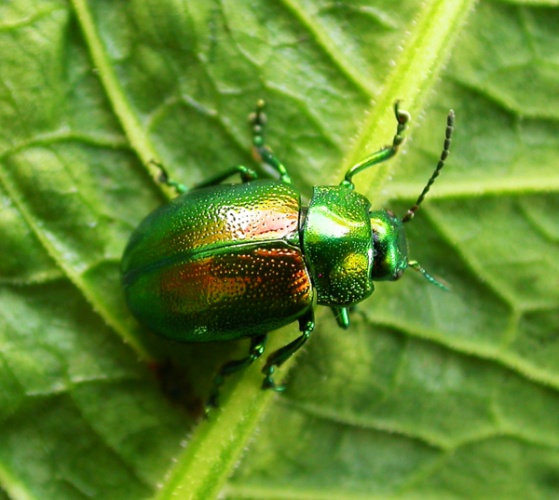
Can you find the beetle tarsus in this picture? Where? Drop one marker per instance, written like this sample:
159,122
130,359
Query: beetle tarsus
403,118
261,152
268,383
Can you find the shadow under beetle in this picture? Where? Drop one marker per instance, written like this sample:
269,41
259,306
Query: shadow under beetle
229,261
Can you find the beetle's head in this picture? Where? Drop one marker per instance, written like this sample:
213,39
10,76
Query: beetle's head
391,248
389,244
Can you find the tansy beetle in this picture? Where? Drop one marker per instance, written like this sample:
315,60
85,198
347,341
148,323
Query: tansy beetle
228,261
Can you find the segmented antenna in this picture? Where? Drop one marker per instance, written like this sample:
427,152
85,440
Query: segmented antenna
444,154
434,281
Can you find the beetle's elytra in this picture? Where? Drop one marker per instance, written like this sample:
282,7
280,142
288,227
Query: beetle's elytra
228,261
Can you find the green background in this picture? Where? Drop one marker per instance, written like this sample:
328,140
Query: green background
430,394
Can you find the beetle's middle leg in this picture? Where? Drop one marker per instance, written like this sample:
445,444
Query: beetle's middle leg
277,358
245,173
257,346
261,152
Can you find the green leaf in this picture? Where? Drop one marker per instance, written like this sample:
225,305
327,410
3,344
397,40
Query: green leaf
430,394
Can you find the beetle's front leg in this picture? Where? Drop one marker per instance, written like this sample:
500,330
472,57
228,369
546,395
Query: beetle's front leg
277,358
342,316
261,152
402,119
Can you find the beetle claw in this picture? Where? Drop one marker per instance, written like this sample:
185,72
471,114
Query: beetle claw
268,383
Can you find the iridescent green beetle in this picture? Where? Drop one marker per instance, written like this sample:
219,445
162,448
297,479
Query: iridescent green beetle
228,261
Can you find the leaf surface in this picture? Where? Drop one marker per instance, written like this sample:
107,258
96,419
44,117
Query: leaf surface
429,394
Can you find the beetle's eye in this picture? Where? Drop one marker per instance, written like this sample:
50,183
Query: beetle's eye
390,246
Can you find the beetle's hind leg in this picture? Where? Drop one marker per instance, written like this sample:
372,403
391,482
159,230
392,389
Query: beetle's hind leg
261,152
257,346
277,358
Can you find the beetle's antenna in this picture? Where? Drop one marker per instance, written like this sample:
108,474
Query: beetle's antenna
416,267
444,154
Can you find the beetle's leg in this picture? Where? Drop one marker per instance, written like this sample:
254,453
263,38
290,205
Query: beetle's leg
402,117
257,346
261,152
277,358
342,316
164,178
246,174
